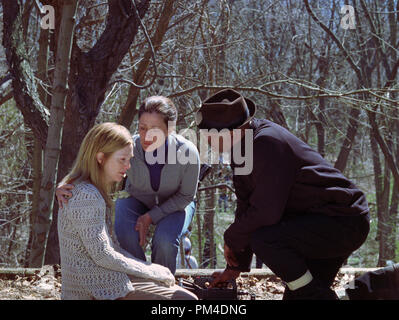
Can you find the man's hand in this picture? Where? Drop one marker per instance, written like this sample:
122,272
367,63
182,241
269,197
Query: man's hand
142,226
230,256
223,277
63,194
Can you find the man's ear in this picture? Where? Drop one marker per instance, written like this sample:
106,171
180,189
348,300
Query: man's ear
100,158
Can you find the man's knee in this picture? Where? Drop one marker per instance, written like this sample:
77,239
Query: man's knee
266,237
268,234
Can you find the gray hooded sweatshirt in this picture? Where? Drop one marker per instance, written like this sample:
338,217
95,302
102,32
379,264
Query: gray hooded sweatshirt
179,177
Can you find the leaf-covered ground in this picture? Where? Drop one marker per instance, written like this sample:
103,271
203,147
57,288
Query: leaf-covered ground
46,285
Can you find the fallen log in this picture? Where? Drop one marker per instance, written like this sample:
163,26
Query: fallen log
258,273
22,272
185,273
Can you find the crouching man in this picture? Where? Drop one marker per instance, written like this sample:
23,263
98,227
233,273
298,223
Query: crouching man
295,211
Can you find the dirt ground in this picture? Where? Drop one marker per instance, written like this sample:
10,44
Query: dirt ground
46,285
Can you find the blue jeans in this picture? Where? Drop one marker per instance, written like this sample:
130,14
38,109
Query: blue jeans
168,231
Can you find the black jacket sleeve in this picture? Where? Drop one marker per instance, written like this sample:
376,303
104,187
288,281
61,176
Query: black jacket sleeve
244,259
273,174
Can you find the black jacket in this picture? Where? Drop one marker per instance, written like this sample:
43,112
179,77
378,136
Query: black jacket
288,178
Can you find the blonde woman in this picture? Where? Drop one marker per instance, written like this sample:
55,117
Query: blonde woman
161,192
93,266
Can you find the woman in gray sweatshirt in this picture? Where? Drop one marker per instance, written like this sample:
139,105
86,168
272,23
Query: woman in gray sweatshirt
162,183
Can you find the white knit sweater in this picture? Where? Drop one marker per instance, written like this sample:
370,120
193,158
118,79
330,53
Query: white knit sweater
92,265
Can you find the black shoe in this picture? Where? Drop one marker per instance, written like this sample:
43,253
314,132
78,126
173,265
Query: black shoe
381,284
312,291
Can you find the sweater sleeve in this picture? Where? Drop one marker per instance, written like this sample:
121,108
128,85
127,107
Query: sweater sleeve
273,175
186,191
87,214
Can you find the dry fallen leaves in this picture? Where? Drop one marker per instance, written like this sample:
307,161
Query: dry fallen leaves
46,285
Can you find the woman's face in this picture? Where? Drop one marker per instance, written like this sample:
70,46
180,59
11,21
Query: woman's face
152,130
116,165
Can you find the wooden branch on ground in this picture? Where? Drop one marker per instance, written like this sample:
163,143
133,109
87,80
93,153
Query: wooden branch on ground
185,273
258,273
22,272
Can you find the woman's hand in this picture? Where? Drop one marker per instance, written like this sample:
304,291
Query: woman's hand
162,274
63,194
142,226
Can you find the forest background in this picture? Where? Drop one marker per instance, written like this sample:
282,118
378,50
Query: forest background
324,69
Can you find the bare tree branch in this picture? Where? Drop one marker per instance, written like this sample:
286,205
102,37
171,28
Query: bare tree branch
348,57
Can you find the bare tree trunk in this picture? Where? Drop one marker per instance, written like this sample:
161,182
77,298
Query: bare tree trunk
24,86
199,230
209,228
129,110
37,151
320,121
53,144
349,139
389,215
275,113
393,223
37,167
378,176
88,82
342,159
384,228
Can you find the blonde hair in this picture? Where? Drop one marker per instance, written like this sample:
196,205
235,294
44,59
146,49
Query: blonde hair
107,138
